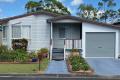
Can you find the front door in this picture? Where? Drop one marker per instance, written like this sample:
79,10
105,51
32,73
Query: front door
59,36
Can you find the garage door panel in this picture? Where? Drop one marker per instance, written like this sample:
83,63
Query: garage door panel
100,44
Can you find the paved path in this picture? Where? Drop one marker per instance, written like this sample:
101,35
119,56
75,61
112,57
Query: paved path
105,66
57,67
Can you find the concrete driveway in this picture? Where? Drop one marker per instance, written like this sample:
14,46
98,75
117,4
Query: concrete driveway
105,66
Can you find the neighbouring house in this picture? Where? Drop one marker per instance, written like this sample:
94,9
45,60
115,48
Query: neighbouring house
61,33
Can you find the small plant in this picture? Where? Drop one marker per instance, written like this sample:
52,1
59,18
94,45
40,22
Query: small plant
33,57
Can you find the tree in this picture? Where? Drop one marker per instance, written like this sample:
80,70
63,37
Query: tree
104,5
47,5
87,11
31,6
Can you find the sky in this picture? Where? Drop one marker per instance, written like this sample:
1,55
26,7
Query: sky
10,8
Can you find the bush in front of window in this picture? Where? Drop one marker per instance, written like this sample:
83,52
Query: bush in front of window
20,44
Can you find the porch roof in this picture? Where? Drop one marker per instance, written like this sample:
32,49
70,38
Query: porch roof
53,20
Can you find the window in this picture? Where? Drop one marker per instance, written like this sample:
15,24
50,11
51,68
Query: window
4,32
16,31
21,31
61,32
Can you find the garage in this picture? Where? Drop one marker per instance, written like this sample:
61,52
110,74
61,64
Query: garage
100,44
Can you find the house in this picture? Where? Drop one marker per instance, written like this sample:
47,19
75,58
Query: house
61,33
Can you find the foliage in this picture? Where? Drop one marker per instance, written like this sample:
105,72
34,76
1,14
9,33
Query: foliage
75,50
78,63
21,56
87,11
43,52
106,6
7,55
32,55
19,44
54,6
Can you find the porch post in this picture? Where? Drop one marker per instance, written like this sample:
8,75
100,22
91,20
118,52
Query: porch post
51,39
64,49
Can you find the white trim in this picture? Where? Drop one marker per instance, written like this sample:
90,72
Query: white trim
64,50
116,45
51,35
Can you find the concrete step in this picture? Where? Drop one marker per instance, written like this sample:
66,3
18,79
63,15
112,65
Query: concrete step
58,50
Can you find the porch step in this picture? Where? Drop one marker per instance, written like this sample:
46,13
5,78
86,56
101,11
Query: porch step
58,54
58,50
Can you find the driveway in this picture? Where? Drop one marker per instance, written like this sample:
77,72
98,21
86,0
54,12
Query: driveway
105,66
57,67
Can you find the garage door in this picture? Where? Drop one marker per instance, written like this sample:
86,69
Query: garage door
100,44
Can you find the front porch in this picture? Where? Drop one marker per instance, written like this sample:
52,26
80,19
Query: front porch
65,37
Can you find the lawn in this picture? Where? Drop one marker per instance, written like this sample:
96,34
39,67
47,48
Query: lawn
23,68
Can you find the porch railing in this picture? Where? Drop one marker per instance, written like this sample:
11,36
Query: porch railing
73,43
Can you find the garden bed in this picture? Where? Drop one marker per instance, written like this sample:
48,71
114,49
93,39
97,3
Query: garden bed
79,66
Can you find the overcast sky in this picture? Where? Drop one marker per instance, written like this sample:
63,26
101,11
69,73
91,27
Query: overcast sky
16,7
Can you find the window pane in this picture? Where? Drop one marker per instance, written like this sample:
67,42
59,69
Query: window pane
26,31
16,31
4,32
61,32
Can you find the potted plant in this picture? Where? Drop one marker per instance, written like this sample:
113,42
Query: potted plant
33,57
75,52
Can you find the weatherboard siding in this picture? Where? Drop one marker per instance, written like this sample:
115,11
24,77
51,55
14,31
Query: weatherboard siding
40,31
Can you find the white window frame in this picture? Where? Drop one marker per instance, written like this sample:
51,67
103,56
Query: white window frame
12,31
5,33
21,35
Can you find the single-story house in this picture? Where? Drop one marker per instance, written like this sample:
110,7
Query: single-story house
62,33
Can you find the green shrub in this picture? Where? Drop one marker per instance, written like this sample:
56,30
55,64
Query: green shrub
7,55
32,55
78,63
85,67
21,55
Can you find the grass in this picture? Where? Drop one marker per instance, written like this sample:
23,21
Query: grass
23,68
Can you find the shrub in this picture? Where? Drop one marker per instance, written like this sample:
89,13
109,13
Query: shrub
21,56
19,44
78,63
75,50
32,55
7,55
84,66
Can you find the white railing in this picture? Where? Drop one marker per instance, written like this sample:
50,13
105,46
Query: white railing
73,43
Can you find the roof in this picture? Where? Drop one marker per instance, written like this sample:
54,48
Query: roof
28,14
81,20
58,17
